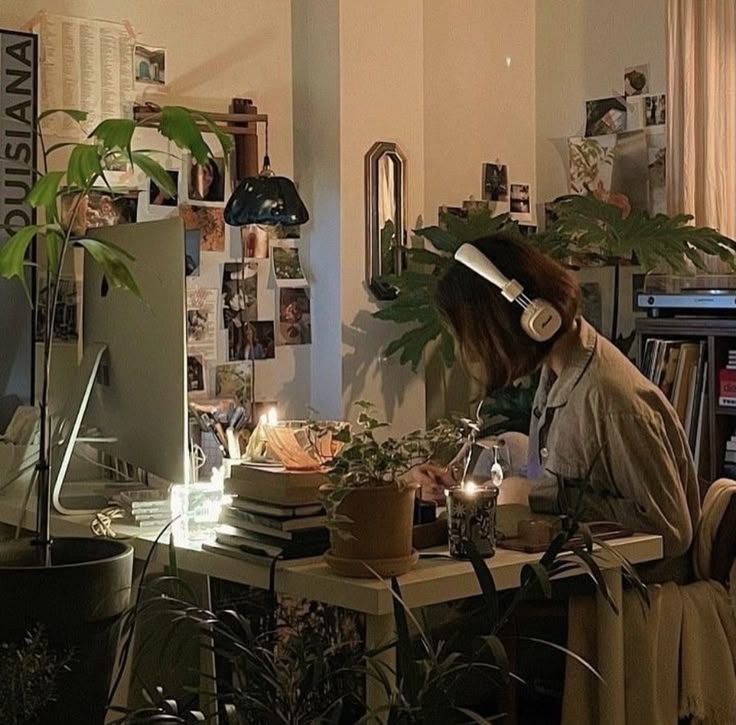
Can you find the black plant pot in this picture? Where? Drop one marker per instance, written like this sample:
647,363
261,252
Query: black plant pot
79,600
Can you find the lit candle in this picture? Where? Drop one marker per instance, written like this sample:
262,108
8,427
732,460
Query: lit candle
273,417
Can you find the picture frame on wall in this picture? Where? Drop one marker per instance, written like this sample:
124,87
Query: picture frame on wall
597,290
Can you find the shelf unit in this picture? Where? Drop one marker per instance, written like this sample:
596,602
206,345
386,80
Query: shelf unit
720,336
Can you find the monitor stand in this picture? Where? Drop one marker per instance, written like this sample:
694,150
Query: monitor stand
66,435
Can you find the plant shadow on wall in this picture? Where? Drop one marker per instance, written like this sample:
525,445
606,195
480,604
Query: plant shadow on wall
585,232
312,674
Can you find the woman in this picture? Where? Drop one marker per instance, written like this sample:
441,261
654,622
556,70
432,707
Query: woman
596,419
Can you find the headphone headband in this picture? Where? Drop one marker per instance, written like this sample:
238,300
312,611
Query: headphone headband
540,320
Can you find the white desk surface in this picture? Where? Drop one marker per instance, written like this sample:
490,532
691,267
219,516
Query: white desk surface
430,582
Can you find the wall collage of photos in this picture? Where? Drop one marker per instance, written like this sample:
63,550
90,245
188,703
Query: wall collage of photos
247,291
620,159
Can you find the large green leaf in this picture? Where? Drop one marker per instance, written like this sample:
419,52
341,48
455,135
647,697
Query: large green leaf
178,125
115,133
225,139
113,261
13,252
53,240
75,115
440,238
84,165
153,170
44,192
412,343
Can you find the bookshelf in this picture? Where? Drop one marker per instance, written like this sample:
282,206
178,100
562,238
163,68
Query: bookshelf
719,336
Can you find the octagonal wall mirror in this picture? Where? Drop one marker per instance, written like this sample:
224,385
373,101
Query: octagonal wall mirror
385,214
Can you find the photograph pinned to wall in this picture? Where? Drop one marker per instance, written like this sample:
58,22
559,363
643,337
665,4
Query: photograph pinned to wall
605,116
66,316
629,179
209,222
202,322
295,326
158,197
496,182
254,242
196,376
235,380
597,289
636,80
193,251
99,209
476,206
656,110
657,170
260,341
150,65
521,203
205,182
287,267
591,164
547,216
239,304
636,113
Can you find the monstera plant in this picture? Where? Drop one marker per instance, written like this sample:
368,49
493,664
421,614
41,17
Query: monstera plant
29,576
585,231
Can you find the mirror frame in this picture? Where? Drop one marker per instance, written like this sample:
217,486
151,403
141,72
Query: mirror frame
382,290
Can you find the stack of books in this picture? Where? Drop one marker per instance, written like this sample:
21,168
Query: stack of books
727,382
144,508
274,513
679,368
729,458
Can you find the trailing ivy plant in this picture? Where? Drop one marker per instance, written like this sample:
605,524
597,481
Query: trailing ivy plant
103,150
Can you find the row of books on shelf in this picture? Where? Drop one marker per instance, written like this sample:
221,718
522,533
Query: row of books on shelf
727,382
679,368
274,514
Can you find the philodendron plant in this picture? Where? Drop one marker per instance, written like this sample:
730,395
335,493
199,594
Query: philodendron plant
104,149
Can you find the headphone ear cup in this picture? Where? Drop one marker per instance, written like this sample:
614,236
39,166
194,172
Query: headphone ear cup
540,320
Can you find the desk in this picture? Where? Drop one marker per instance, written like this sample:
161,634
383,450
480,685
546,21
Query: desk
432,581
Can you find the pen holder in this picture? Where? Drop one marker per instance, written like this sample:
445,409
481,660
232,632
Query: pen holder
471,517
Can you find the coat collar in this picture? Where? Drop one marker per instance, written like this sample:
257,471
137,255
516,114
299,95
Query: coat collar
582,351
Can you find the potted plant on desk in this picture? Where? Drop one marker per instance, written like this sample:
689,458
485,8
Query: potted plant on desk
370,497
77,588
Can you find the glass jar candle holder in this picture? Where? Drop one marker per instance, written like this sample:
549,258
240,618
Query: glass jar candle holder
196,508
471,517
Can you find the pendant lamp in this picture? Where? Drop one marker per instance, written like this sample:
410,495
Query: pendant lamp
266,199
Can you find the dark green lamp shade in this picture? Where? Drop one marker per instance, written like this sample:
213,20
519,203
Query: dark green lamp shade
266,200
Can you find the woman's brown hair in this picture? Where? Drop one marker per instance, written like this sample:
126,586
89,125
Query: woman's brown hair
487,326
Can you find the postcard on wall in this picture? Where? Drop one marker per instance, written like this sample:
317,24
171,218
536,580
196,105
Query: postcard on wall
656,110
84,59
521,203
605,116
496,182
205,183
202,322
260,341
209,222
196,376
253,242
235,380
150,65
155,203
295,325
287,267
657,170
636,80
591,164
98,209
239,305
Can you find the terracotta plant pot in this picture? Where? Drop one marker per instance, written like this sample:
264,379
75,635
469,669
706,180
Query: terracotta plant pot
380,535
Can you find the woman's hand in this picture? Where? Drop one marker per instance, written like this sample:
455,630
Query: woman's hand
434,480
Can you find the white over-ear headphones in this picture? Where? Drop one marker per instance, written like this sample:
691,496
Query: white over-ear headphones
540,320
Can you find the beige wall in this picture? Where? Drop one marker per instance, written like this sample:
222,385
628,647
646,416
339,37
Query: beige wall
582,48
476,107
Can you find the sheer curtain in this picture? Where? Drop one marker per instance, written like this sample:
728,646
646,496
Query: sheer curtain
701,123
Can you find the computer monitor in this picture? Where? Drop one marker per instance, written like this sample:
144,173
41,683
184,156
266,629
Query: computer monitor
138,401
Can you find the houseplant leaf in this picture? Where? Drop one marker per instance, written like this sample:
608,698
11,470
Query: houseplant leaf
74,114
13,252
44,192
153,170
115,133
84,165
178,125
112,259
